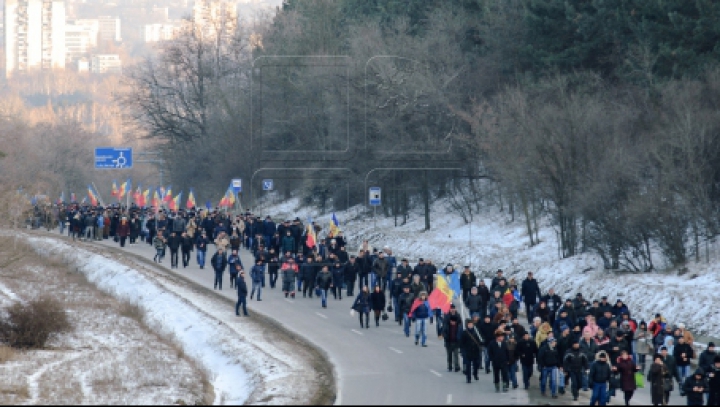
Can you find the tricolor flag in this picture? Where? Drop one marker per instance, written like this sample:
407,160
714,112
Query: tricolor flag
137,195
508,297
441,297
115,191
92,196
61,199
156,200
228,199
175,202
311,238
191,200
334,226
452,280
145,198
124,189
168,194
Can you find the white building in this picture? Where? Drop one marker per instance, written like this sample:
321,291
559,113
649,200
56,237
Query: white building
83,65
159,32
34,35
93,25
79,41
109,29
105,63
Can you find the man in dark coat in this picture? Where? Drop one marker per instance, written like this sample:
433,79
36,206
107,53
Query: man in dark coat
500,358
242,292
713,377
470,346
527,351
530,291
219,264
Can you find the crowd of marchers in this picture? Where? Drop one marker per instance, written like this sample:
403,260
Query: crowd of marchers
576,343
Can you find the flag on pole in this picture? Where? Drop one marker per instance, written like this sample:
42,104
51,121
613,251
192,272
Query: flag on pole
61,199
311,238
137,195
228,199
145,198
334,226
92,196
156,200
168,194
124,189
441,297
176,201
452,280
208,205
73,199
191,200
115,191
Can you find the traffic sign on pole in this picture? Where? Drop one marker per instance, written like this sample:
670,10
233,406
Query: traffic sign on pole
237,185
375,196
267,185
111,157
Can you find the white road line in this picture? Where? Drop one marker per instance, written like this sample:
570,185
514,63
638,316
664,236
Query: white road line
395,350
449,399
356,331
321,315
289,300
435,373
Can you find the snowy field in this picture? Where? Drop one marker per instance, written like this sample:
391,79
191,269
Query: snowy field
492,242
110,357
227,349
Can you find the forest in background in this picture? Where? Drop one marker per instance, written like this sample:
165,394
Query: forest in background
602,115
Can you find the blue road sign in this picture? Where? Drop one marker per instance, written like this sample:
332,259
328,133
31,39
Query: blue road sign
267,185
375,196
111,157
237,185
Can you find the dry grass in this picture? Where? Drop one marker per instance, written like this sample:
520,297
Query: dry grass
34,323
6,354
19,391
133,311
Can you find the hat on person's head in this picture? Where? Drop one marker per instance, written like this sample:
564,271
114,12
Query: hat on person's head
717,359
663,348
452,306
578,295
550,340
467,267
449,265
681,325
658,315
711,345
404,259
604,297
499,271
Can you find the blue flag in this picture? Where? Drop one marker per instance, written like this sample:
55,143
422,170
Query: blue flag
453,281
208,205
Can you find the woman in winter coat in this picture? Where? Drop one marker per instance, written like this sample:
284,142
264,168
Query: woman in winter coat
627,368
657,376
591,325
362,306
123,230
542,333
543,311
377,302
643,347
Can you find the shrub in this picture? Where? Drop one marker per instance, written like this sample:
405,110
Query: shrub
33,324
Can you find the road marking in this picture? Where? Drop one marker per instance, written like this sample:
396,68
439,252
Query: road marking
449,399
356,331
289,300
321,315
435,373
395,350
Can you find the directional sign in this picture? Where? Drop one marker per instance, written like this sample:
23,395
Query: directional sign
267,185
237,185
111,157
375,199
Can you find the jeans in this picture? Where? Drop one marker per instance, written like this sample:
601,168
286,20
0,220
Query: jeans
323,297
373,281
362,281
218,279
529,312
471,367
201,258
88,232
256,285
159,254
527,371
421,329
396,309
61,224
486,356
406,324
512,372
500,373
453,352
599,394
299,283
233,277
683,372
173,257
549,372
241,300
584,380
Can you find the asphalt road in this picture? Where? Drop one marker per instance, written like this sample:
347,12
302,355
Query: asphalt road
375,365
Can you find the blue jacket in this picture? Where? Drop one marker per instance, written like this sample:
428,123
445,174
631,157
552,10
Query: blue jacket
422,311
269,228
241,287
232,259
257,273
201,244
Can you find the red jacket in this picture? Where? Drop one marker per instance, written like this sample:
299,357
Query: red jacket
124,229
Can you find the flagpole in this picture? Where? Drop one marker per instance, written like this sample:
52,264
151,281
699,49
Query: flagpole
98,194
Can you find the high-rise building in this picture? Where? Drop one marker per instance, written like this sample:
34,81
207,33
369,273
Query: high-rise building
79,40
34,35
215,17
109,29
106,63
159,32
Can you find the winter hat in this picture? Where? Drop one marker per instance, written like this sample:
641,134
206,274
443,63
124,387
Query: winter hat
711,345
717,359
681,325
452,306
552,340
662,348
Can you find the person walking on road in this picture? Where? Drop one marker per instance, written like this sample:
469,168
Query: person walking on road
232,260
500,359
338,273
257,274
323,282
123,230
186,246
362,307
173,243
599,376
420,313
219,264
527,351
548,361
575,363
405,302
660,378
377,303
201,245
242,294
288,271
159,245
627,369
471,347
530,291
713,378
451,333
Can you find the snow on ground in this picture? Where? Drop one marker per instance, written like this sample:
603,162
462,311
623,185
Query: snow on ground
230,351
492,242
108,358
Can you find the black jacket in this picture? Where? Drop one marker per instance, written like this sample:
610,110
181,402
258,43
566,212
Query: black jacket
575,361
530,291
599,372
549,357
474,303
405,302
527,351
377,301
470,344
213,262
173,243
186,243
241,287
498,353
695,398
351,271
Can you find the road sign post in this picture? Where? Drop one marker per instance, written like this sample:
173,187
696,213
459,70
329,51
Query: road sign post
375,199
268,185
112,157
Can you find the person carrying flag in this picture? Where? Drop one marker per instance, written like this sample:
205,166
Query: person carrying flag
420,313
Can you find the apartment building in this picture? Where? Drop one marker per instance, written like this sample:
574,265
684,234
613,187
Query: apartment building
105,63
109,29
34,35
